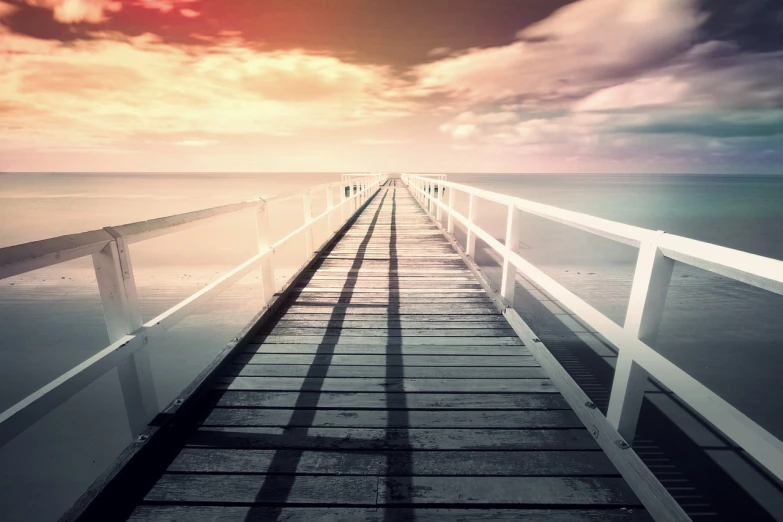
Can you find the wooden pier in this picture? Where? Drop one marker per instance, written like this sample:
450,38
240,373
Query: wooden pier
388,380
387,387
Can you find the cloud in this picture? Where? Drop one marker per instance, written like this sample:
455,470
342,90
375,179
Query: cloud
98,11
73,11
610,77
581,47
196,143
117,87
6,9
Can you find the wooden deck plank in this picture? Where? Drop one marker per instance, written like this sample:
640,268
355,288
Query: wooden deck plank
176,513
382,349
388,333
413,372
377,401
393,419
384,385
384,309
393,439
409,361
388,341
421,463
366,490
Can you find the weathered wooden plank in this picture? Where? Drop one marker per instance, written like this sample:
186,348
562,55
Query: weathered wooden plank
413,372
390,438
196,513
434,302
372,322
401,291
389,341
404,333
376,401
423,463
382,349
394,419
365,490
356,490
390,385
607,491
384,309
398,319
408,361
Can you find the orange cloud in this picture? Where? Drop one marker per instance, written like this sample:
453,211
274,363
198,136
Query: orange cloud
118,87
72,11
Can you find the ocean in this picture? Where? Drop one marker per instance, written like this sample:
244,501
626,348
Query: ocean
727,335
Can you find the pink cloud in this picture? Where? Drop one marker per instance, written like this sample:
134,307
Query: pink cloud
73,11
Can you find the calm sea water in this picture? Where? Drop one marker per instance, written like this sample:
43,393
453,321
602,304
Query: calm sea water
725,334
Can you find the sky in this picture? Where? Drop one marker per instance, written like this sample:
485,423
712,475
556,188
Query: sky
542,86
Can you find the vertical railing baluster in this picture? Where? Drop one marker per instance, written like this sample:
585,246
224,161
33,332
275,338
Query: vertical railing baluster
439,212
330,208
120,302
470,246
308,218
268,286
450,217
645,309
508,281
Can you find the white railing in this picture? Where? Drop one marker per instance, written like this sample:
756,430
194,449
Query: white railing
636,359
114,273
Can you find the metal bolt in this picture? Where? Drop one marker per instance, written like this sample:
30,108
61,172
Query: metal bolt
594,431
142,438
590,405
536,340
622,444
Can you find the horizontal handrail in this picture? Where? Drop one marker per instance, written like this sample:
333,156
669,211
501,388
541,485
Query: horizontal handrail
26,257
125,344
644,311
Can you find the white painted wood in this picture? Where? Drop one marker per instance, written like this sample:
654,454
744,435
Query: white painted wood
308,220
472,215
114,273
643,317
120,302
331,221
512,241
263,233
18,259
449,219
439,216
758,442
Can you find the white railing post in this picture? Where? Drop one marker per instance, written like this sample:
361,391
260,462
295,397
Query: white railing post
308,218
267,266
120,302
512,241
642,319
330,208
470,246
354,202
450,217
439,212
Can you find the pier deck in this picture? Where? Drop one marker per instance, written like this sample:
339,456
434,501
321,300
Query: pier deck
386,387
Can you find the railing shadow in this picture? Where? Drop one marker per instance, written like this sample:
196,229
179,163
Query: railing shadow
277,487
399,466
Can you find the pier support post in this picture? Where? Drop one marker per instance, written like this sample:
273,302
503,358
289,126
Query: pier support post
268,286
308,219
645,310
470,246
512,240
120,302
